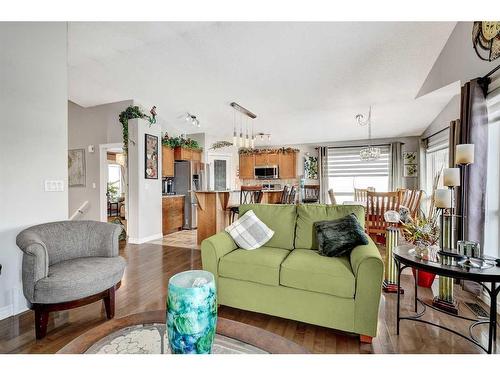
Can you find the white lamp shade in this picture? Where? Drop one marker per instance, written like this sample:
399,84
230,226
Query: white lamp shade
451,177
464,154
442,198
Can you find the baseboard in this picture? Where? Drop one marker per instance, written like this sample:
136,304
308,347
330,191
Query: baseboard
138,241
6,311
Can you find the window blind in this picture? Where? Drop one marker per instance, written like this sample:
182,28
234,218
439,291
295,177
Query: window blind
438,141
345,162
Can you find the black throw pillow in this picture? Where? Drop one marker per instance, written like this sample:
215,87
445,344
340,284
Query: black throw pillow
338,237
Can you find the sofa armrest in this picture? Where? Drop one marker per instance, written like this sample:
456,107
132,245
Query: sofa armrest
368,268
35,261
214,248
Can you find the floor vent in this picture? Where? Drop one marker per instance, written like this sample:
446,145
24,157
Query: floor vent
477,310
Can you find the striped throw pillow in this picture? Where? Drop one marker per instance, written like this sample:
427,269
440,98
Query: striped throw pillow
249,232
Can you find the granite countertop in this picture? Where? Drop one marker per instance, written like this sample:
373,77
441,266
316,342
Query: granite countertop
173,195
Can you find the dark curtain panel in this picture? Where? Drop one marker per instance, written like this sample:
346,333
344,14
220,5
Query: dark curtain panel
396,166
323,174
474,129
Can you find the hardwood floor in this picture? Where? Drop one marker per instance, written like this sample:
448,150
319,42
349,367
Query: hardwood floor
144,288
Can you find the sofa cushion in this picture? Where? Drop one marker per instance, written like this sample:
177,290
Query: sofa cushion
308,214
338,237
278,217
260,265
78,278
307,270
249,232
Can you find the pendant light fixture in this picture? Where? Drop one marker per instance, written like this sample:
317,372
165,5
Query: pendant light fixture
369,152
246,136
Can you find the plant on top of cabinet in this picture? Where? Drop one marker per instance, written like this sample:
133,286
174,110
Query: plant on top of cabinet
181,141
259,151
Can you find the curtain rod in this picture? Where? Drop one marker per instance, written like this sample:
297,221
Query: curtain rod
492,72
436,133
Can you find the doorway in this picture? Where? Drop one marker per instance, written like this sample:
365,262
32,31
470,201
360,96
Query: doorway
113,184
219,171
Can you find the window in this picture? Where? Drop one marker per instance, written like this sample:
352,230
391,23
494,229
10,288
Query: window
115,188
347,171
436,159
492,222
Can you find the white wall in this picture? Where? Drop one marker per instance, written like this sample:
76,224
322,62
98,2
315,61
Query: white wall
449,113
457,61
145,205
92,126
33,141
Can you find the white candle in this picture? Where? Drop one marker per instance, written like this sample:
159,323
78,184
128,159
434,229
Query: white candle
451,177
442,198
464,154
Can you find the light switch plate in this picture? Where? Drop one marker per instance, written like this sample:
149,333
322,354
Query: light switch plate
54,185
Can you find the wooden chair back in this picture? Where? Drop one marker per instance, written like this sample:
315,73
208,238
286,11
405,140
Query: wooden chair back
332,196
376,207
311,194
411,199
361,194
292,194
251,194
284,195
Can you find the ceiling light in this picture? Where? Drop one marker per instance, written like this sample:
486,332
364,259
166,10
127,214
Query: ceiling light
369,152
192,120
244,139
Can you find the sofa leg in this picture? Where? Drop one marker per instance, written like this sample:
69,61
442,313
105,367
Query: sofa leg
41,321
365,339
109,302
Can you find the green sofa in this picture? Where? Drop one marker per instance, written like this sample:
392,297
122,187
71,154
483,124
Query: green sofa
288,278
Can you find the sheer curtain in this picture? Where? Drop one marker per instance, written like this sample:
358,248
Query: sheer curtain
396,165
492,222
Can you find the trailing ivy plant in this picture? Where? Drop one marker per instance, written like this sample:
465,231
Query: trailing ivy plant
130,113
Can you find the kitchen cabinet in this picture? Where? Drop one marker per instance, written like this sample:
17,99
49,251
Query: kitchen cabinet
266,159
288,165
247,164
167,162
172,213
187,154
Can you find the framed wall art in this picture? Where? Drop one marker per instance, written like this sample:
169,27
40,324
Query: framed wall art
151,157
76,167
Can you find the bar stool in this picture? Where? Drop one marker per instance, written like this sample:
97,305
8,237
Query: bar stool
248,195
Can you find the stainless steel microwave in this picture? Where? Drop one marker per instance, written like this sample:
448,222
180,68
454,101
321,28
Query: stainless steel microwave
266,173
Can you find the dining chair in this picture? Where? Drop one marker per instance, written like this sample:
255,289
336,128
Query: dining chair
411,200
292,194
248,195
332,196
360,194
284,195
311,194
376,206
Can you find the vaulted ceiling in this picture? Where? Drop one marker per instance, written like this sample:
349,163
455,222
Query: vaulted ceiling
305,81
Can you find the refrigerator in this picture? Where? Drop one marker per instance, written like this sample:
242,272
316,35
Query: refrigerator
188,178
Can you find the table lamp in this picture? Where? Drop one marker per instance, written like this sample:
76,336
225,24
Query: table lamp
442,201
464,156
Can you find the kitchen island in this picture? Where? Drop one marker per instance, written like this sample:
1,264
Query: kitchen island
212,211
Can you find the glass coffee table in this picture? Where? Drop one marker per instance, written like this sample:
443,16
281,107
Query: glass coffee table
145,333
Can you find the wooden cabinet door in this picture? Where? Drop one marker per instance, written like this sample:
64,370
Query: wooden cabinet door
172,214
288,165
196,155
182,153
247,163
273,159
167,162
260,160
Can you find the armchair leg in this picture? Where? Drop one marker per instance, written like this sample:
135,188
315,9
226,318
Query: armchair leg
109,302
41,320
365,339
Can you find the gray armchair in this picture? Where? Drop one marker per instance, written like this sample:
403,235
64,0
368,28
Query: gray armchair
67,264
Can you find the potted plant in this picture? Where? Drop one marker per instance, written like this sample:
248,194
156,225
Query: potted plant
423,232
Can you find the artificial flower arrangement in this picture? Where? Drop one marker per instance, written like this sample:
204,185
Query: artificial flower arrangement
181,141
423,232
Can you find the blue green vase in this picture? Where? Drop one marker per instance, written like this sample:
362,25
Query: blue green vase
191,312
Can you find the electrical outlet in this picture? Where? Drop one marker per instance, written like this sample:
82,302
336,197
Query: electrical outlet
54,185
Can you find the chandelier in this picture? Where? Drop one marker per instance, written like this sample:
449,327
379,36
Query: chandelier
244,139
369,152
